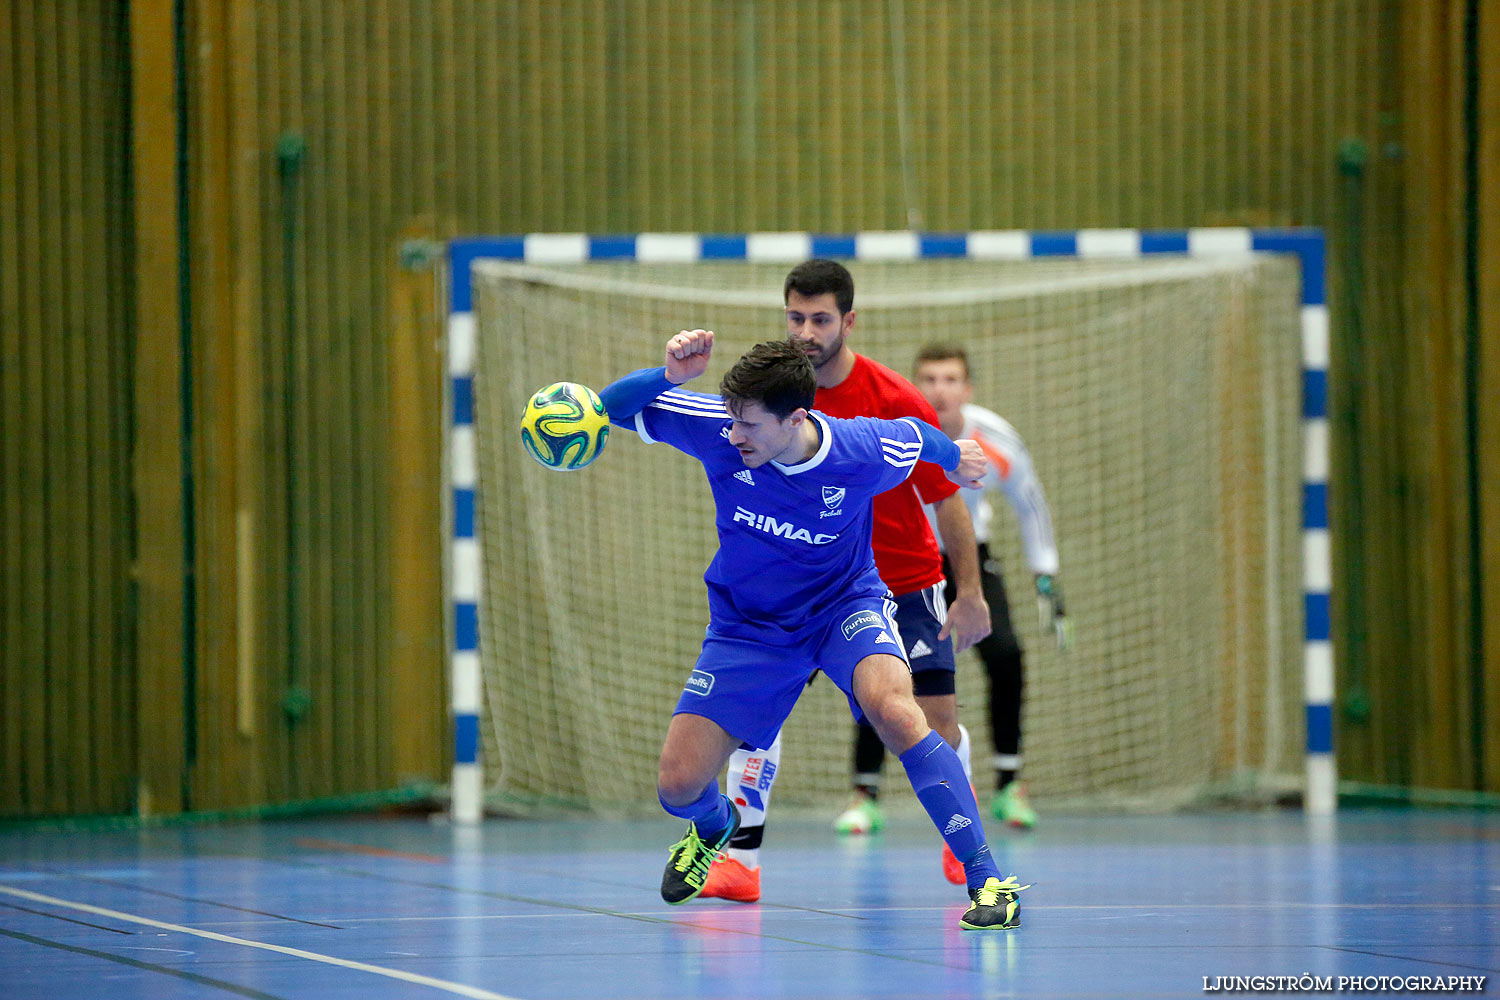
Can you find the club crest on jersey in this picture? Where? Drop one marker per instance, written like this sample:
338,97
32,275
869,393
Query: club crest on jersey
699,682
832,497
859,621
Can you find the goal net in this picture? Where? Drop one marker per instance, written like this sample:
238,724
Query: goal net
1160,400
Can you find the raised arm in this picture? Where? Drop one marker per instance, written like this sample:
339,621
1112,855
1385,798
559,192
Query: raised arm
687,357
626,397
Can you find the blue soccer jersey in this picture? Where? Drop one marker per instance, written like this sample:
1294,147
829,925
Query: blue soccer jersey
793,539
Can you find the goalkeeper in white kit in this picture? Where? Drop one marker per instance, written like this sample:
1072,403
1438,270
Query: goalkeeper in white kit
942,376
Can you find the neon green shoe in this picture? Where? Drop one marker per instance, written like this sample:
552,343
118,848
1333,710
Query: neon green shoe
862,816
1011,806
689,859
995,907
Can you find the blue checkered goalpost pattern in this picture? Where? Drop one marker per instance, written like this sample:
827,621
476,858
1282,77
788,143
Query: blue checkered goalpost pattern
1305,245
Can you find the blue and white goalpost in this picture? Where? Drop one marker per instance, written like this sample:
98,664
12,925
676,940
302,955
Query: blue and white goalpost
1305,245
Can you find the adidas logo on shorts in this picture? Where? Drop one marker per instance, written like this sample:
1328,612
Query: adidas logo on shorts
920,648
956,823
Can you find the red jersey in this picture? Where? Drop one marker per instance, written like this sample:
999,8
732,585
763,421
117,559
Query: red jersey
906,553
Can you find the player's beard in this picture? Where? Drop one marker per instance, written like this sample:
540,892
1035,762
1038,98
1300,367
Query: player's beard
819,355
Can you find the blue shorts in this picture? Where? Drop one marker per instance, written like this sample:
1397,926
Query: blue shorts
749,686
920,615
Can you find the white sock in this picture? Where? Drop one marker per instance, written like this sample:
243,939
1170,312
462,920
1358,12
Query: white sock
749,779
965,755
1007,762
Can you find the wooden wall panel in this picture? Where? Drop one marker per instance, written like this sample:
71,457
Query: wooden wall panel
156,475
1487,271
24,650
12,507
292,280
1085,114
67,656
248,319
1417,560
434,119
883,114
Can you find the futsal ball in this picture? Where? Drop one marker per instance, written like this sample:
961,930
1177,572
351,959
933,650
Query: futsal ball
564,426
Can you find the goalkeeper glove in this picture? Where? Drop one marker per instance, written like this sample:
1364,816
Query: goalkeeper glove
1052,612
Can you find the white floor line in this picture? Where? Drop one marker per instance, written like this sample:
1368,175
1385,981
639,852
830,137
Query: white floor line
410,977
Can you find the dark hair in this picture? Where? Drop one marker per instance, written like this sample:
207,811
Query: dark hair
943,352
776,374
818,277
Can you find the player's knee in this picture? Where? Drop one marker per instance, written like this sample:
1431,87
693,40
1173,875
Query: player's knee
897,718
677,782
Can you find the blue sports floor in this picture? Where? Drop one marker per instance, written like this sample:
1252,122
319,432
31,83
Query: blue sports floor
407,907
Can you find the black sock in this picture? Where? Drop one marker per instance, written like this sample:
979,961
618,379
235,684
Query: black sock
747,838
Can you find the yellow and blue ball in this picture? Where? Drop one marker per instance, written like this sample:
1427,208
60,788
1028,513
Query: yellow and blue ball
564,426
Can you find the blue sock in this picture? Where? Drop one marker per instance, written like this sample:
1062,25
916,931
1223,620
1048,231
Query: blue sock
938,779
709,812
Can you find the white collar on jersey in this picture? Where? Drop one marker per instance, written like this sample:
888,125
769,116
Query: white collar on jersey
808,464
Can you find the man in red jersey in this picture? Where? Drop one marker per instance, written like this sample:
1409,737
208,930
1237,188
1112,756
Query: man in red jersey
819,299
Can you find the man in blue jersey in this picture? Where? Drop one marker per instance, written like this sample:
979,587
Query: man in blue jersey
794,587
